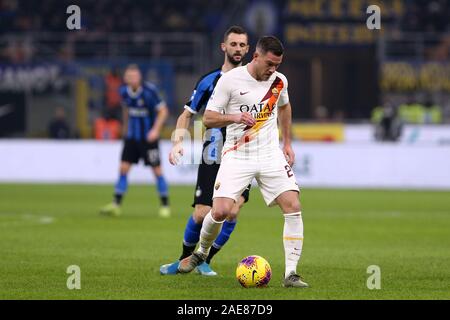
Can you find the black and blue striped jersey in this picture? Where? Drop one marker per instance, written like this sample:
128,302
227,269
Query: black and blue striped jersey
215,137
143,106
202,91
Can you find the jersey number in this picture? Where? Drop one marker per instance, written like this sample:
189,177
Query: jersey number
288,171
153,155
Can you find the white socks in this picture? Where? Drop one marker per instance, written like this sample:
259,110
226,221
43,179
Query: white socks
210,231
292,240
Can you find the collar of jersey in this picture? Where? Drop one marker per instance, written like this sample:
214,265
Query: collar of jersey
134,94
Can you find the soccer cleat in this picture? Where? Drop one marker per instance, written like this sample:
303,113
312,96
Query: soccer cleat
169,269
164,212
295,281
205,270
111,209
190,263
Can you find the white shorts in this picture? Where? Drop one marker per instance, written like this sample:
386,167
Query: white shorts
273,174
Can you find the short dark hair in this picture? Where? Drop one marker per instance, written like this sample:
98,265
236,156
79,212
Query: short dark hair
270,44
132,66
234,29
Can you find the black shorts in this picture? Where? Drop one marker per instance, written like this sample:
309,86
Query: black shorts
134,150
205,185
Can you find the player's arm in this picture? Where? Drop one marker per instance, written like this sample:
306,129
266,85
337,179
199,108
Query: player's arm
214,119
183,123
198,101
161,117
195,104
124,121
214,116
285,122
124,106
182,126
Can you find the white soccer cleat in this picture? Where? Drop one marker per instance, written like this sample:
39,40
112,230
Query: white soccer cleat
294,280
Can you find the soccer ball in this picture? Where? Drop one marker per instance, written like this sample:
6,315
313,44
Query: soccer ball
253,271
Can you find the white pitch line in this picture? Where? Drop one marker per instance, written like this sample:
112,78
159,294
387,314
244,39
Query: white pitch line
24,219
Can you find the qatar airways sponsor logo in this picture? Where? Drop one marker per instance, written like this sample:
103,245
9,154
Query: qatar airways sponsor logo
259,110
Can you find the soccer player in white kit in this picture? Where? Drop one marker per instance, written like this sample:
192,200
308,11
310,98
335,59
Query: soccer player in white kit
248,100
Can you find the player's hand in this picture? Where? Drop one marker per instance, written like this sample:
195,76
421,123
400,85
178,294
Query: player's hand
175,154
245,118
289,154
152,136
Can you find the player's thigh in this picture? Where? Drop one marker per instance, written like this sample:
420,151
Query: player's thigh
222,207
130,151
289,201
276,177
233,177
204,188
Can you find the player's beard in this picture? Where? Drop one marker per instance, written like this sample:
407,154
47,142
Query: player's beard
266,76
233,61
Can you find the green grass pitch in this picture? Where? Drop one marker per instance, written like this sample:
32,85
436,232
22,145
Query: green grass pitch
46,228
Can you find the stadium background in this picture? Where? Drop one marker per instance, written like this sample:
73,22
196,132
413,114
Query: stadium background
371,110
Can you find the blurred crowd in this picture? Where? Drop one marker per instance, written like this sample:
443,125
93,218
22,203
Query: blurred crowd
105,17
99,20
430,18
172,15
112,16
426,16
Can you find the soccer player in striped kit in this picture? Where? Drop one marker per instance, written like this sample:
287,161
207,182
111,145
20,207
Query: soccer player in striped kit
234,46
144,114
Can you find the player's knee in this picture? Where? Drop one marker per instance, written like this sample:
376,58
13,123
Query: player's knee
124,168
234,211
200,213
198,218
233,215
240,203
157,171
220,213
292,206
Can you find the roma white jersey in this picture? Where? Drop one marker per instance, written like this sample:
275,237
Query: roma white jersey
236,92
